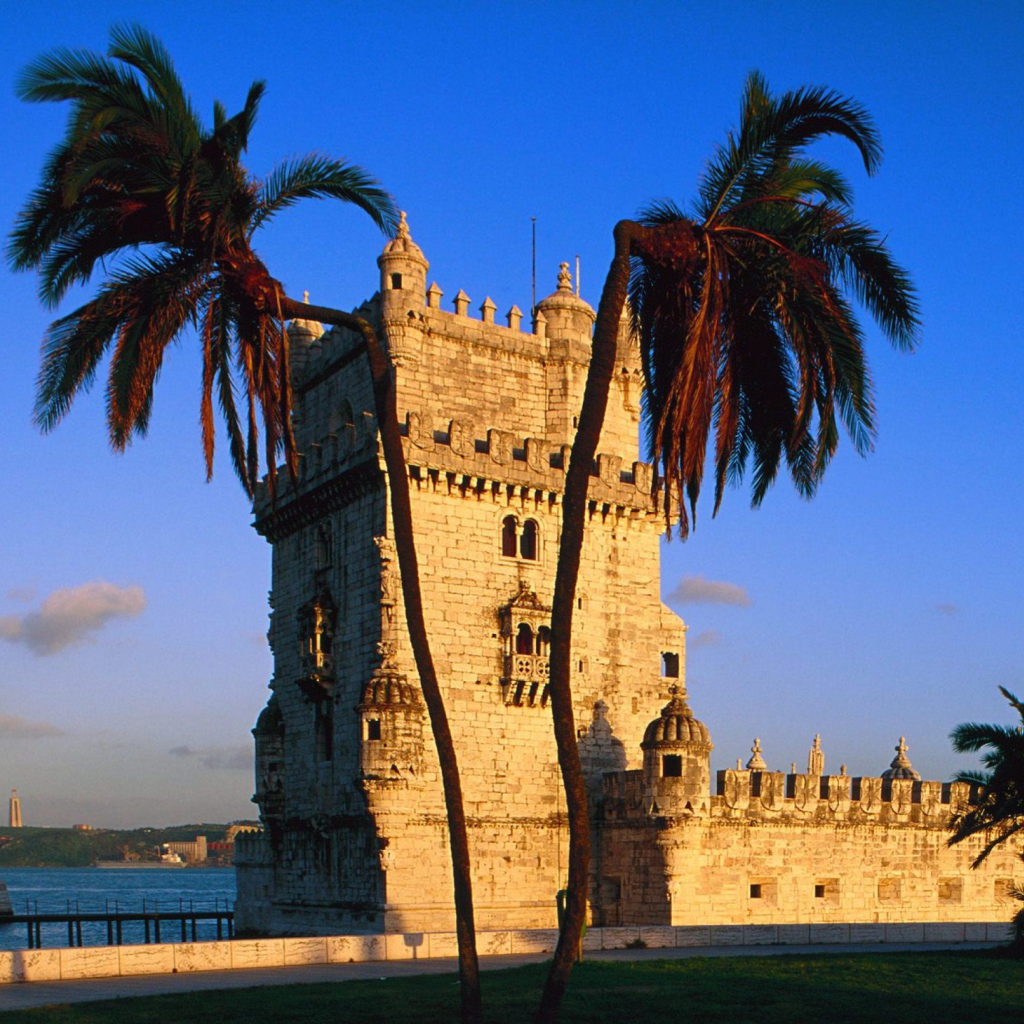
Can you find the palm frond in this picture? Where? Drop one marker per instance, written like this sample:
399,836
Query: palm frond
314,177
142,189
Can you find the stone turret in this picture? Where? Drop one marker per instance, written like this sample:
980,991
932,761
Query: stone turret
403,272
304,340
567,317
677,752
403,294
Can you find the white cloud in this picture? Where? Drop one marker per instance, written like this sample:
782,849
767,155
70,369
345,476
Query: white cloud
21,594
14,727
698,590
217,758
71,616
706,638
947,609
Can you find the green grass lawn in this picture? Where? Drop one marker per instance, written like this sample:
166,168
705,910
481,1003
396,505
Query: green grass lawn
892,988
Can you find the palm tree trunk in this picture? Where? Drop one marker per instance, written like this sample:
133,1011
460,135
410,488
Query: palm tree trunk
574,509
401,513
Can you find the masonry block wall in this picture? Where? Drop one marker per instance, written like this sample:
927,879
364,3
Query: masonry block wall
347,782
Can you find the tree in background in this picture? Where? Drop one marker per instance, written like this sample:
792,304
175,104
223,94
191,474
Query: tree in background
998,805
749,339
166,207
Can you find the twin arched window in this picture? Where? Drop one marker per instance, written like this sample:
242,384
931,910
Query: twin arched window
519,541
527,643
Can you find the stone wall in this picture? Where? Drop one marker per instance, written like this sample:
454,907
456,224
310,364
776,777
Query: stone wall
347,779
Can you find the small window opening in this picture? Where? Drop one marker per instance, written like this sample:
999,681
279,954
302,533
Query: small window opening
670,664
947,793
324,554
324,728
581,665
524,639
373,729
396,280
755,890
819,892
508,536
672,766
528,541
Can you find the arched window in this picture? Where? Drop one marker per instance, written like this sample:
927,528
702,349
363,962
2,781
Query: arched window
508,536
528,541
543,641
524,639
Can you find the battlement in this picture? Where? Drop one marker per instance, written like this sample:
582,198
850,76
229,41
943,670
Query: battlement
469,459
775,796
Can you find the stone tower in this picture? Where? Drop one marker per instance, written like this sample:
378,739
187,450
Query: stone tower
14,812
355,834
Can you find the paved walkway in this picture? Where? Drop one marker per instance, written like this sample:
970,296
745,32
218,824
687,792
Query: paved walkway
49,993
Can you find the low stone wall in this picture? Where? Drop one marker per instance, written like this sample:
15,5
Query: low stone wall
27,965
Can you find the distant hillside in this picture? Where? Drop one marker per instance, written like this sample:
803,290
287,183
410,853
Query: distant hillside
71,848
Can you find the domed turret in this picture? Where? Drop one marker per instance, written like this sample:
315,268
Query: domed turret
304,339
677,751
901,768
403,271
567,317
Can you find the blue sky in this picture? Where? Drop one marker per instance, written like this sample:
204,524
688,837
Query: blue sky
133,594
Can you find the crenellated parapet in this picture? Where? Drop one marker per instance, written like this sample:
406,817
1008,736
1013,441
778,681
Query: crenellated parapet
490,458
458,455
776,797
854,799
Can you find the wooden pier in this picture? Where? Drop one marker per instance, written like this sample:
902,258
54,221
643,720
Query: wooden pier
151,919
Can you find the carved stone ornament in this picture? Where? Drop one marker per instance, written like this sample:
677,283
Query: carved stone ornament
420,430
461,437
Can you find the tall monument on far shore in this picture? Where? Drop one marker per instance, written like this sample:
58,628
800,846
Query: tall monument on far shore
14,816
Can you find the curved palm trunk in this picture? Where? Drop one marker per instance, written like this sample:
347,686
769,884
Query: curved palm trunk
574,508
401,512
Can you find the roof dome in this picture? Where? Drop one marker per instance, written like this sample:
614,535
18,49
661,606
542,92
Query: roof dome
402,244
675,726
305,330
901,768
387,690
564,299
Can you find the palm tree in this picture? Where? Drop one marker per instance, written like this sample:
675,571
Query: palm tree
167,208
742,309
998,805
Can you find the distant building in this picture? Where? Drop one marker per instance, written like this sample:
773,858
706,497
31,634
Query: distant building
82,828
14,816
194,852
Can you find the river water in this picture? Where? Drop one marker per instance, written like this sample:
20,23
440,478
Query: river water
96,889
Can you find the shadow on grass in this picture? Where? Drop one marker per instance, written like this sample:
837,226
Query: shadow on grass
787,989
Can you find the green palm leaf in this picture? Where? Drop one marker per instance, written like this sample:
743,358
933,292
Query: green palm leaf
142,189
745,313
